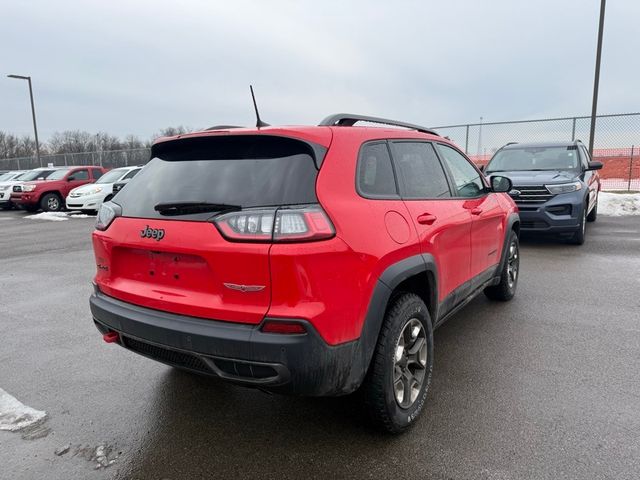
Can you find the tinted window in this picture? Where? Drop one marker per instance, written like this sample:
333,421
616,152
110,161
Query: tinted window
465,177
375,173
80,175
534,158
420,170
96,172
248,171
131,174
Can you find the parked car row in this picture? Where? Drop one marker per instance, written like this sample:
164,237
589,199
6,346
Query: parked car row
52,189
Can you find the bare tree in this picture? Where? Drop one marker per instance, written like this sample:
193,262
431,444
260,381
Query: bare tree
12,146
131,142
78,141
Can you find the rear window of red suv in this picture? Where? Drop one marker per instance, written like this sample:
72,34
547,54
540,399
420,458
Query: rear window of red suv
241,170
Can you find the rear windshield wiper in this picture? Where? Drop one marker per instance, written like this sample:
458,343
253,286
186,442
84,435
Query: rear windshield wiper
186,208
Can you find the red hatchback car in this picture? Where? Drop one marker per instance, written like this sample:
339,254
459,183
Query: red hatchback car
308,260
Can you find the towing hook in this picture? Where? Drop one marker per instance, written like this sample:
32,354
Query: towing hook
111,337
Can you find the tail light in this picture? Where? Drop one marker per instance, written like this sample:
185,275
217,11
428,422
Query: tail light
290,224
107,213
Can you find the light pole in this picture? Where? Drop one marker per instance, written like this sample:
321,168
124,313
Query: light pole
33,113
596,81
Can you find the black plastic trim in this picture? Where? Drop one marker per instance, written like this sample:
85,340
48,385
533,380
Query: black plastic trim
306,364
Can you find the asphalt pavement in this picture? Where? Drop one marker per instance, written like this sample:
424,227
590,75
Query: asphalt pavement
546,386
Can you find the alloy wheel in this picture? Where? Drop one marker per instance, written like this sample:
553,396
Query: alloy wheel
513,262
410,360
53,204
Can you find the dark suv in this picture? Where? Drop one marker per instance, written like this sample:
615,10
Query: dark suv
307,260
555,186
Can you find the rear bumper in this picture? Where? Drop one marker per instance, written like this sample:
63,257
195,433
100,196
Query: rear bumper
240,353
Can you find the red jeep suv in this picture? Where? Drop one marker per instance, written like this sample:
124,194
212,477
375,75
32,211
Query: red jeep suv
49,194
308,260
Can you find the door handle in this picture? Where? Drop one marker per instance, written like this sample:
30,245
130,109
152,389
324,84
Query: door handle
426,219
476,211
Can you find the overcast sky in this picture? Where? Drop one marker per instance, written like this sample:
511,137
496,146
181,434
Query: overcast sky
137,66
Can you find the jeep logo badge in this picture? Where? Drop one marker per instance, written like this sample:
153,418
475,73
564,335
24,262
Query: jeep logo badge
156,233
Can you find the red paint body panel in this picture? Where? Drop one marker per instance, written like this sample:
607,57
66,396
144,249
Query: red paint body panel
328,282
185,272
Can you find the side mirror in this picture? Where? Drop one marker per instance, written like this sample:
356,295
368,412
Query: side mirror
500,184
71,178
595,166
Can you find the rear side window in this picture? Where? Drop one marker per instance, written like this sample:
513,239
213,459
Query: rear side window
80,175
466,178
241,170
131,174
96,172
375,173
420,171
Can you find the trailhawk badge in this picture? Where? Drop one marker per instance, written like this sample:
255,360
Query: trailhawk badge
155,233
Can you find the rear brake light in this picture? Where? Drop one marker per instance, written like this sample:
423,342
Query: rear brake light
290,224
106,214
284,328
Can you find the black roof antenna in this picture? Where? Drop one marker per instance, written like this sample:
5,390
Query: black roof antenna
259,123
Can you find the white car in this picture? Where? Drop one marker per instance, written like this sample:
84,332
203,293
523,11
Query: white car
15,177
5,187
89,197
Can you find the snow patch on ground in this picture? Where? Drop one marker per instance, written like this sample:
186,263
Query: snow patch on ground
14,415
618,204
56,216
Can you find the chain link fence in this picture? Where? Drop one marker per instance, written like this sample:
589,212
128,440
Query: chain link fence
107,159
616,142
617,145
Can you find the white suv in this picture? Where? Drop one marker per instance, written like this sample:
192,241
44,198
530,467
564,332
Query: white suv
89,197
5,187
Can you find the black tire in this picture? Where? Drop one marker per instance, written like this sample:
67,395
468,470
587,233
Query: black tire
51,202
593,214
579,236
407,311
506,289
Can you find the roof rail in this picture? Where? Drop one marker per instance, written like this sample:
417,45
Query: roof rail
222,127
349,119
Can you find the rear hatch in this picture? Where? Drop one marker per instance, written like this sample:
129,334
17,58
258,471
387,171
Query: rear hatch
167,249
